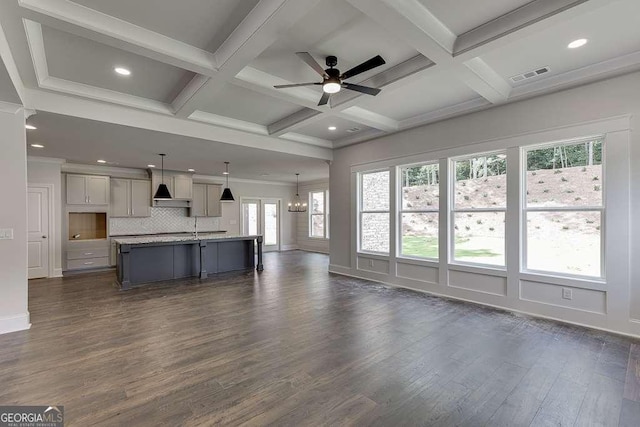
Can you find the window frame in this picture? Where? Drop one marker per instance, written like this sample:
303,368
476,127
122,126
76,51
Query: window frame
524,209
400,211
324,214
453,211
361,212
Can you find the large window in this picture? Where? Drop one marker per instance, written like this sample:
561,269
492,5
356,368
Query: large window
479,208
374,212
563,208
318,214
419,210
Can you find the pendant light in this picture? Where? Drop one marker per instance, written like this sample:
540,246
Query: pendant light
296,205
163,191
226,194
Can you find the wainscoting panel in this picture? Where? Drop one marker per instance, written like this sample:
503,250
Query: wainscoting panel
374,265
487,284
417,272
592,301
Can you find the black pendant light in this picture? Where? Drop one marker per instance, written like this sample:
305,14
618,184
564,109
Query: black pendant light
163,191
226,194
296,205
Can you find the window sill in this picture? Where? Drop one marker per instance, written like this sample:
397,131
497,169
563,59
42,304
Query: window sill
374,255
428,262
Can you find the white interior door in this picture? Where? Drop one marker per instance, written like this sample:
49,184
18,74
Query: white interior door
38,232
262,216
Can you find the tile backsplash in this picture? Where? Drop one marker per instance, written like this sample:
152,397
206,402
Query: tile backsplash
162,220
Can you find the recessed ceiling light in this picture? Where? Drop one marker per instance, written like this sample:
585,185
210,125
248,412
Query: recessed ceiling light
151,166
332,128
577,43
225,173
102,161
30,127
37,145
122,71
191,170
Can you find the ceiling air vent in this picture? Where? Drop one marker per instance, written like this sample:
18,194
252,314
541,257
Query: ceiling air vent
530,74
354,129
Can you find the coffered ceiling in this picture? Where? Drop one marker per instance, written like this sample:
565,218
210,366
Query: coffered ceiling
206,69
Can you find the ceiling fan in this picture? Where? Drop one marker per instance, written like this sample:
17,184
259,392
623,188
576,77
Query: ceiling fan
332,80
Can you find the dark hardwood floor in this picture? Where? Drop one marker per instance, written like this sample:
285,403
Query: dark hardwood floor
296,346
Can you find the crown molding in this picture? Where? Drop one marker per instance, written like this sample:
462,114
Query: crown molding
210,179
52,160
228,122
312,140
8,107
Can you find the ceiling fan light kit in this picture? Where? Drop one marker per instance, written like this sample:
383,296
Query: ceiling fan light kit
332,80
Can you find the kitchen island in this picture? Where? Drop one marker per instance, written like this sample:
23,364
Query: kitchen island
148,259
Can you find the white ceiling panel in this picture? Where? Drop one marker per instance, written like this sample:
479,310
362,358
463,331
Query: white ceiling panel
244,104
7,91
549,48
85,61
201,23
421,96
461,16
320,128
85,141
332,28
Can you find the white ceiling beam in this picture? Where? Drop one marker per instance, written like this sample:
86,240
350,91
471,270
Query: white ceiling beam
369,118
483,79
417,31
533,18
260,29
12,68
119,33
104,112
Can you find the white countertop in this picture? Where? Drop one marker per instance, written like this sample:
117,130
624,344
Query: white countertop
168,239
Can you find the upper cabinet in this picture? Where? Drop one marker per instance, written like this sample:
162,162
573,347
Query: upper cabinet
206,200
87,190
179,185
130,198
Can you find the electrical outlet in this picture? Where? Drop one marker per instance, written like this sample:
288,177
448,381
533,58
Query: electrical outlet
567,293
6,233
370,263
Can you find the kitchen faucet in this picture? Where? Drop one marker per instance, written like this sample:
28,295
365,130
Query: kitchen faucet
195,227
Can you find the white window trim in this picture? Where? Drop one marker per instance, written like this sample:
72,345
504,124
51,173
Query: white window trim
525,210
453,211
324,214
360,212
402,211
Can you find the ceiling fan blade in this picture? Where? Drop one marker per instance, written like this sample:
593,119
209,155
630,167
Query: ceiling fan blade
362,89
306,57
374,62
296,85
325,98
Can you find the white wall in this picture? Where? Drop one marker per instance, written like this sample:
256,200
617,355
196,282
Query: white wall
614,305
47,171
305,242
14,314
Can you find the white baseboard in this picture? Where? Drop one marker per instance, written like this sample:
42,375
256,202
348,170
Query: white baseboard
57,272
15,323
285,248
340,269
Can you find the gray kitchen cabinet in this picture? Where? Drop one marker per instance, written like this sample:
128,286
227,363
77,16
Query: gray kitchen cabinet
87,190
130,198
206,200
140,198
179,185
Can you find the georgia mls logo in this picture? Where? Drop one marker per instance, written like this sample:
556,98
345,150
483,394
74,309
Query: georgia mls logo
31,416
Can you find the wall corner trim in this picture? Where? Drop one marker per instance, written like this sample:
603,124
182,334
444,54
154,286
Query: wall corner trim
20,322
